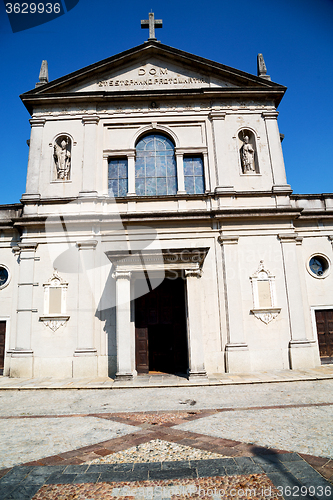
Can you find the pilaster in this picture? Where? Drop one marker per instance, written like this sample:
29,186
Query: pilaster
180,173
236,350
131,173
35,156
21,363
194,324
90,123
85,355
275,152
217,119
301,347
125,348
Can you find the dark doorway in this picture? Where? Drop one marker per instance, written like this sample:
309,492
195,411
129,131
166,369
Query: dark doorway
324,321
2,345
160,329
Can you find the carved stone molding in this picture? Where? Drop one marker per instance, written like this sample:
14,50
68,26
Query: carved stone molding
270,115
37,122
266,315
191,150
86,351
261,268
155,260
52,319
110,153
90,120
217,115
54,322
87,245
28,247
228,240
193,273
264,301
122,275
18,352
288,237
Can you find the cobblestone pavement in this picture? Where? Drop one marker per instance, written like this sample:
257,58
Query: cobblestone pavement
91,444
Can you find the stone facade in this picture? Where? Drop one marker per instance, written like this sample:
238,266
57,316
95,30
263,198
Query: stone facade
243,245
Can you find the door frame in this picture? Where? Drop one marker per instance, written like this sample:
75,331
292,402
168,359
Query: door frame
7,320
313,310
145,260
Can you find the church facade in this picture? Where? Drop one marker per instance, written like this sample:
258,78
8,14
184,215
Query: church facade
157,232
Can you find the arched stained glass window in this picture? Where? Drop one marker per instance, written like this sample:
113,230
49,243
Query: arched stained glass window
155,166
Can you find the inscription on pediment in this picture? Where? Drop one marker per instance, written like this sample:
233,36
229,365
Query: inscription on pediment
150,75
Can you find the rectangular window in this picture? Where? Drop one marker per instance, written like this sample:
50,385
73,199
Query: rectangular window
194,175
117,179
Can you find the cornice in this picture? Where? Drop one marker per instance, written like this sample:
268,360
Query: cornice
190,259
32,102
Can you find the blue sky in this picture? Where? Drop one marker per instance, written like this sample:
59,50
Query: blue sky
295,37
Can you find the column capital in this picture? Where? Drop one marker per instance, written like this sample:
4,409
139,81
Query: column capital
217,115
122,275
90,120
288,237
228,240
116,153
87,245
193,273
28,247
37,122
270,115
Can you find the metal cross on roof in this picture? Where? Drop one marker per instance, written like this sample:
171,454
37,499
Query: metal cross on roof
151,23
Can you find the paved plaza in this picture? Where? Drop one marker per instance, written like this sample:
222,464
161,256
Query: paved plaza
179,441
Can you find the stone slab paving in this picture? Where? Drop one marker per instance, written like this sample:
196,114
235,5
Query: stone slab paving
79,401
322,372
282,476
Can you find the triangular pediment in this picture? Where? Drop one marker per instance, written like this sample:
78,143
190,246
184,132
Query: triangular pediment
154,73
152,66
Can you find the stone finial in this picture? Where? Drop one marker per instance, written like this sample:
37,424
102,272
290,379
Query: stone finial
262,70
43,74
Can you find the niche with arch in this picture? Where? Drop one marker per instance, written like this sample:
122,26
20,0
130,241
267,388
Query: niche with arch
248,152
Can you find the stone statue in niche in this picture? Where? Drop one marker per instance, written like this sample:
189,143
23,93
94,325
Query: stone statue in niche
247,156
62,158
